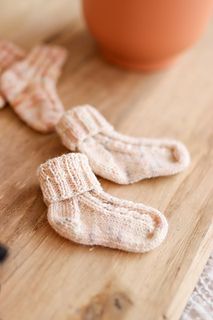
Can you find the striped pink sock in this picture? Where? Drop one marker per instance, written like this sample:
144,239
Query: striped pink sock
9,54
30,87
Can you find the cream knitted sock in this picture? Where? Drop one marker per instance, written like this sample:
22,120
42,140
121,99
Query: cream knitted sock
30,87
117,157
79,210
9,54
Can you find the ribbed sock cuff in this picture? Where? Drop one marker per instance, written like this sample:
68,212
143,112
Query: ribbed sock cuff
64,177
9,53
46,60
79,123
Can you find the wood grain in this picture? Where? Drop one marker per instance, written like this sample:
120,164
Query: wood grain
47,277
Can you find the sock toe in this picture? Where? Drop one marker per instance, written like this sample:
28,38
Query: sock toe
170,157
181,155
50,120
156,236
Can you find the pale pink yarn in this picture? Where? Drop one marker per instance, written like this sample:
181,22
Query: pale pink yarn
117,157
79,209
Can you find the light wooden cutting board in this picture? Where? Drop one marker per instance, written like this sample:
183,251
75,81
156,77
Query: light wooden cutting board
49,278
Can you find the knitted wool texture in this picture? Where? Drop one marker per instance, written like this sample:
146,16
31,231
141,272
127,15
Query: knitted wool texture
30,87
79,209
117,157
9,54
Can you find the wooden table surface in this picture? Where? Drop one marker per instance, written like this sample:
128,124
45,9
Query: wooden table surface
47,277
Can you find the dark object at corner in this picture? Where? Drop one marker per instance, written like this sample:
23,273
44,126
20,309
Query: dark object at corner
3,253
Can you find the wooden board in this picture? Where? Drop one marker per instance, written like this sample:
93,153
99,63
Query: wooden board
47,277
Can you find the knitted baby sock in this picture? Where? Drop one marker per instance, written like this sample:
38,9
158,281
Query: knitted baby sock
78,209
30,87
9,54
117,157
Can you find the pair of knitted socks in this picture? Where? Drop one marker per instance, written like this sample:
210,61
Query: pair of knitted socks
79,209
28,83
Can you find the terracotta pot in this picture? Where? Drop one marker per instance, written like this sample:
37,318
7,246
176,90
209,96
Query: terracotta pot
146,34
